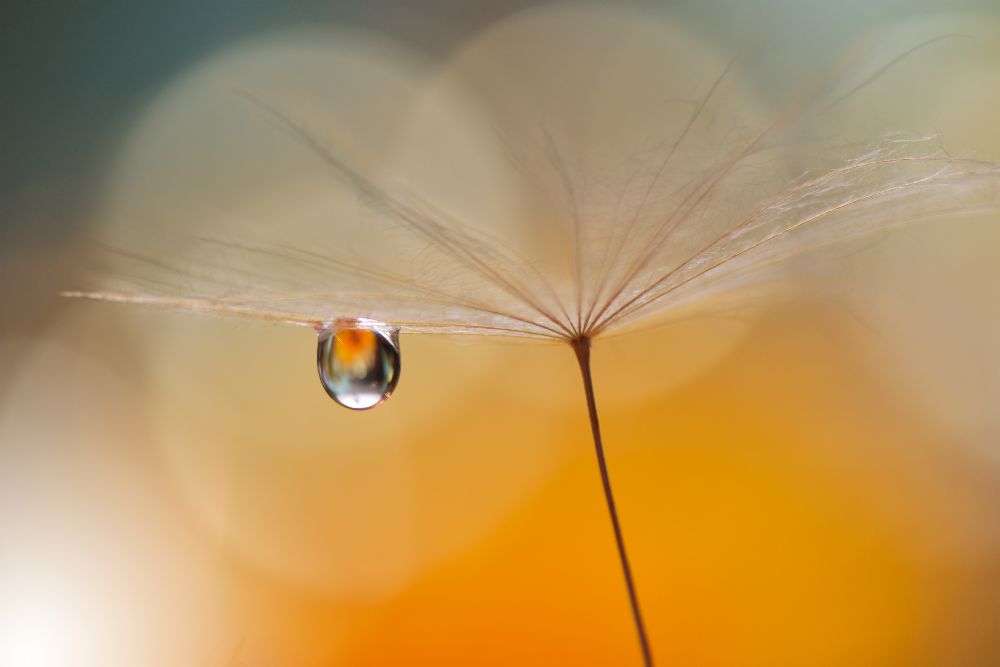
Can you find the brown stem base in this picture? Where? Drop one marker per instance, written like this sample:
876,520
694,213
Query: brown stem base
582,348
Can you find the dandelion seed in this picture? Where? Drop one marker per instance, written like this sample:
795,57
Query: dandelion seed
650,180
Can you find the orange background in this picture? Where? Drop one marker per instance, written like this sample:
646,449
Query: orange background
197,491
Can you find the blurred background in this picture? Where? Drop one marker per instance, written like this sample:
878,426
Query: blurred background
814,483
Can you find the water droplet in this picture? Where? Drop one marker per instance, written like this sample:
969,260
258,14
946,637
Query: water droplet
358,362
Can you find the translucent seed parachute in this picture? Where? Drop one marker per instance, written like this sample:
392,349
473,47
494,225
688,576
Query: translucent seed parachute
637,172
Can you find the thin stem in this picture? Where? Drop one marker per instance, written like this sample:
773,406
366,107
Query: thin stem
581,346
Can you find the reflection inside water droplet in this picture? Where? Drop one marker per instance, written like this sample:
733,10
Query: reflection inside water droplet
359,363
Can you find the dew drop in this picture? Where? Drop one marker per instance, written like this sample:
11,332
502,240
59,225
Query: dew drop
358,363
